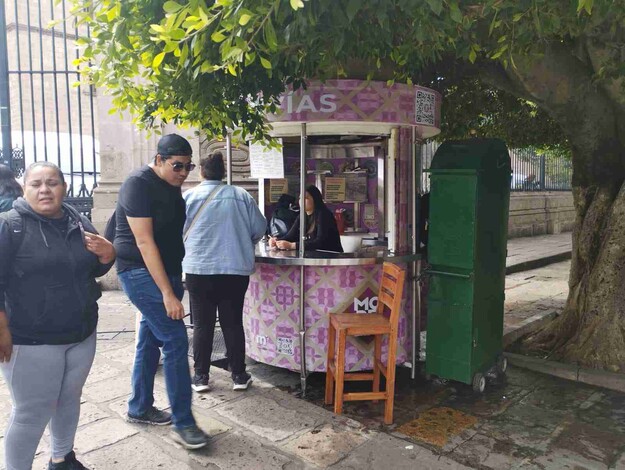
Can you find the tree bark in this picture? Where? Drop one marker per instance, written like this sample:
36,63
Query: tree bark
591,330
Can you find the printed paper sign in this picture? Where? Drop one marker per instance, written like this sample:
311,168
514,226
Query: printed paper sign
278,187
334,189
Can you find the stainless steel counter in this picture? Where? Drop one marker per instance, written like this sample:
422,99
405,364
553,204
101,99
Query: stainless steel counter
264,254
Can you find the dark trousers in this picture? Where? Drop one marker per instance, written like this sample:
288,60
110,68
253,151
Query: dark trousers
208,294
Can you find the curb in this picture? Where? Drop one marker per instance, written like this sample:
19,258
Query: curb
527,326
538,263
599,378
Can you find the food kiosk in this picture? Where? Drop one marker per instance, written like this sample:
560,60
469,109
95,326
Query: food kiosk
356,141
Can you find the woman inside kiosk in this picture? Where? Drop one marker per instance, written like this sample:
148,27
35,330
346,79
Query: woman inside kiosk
321,230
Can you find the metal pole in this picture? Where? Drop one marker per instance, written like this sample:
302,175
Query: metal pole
391,204
416,321
542,172
5,105
302,272
229,158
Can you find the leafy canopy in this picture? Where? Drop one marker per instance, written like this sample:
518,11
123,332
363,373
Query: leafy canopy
222,64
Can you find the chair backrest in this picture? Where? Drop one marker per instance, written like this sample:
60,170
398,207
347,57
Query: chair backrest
391,292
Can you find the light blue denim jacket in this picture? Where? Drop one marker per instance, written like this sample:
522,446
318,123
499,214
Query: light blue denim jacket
223,238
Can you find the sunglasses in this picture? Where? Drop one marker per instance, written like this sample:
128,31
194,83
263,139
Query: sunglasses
178,166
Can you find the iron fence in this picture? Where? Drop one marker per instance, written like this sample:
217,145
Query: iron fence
53,114
530,171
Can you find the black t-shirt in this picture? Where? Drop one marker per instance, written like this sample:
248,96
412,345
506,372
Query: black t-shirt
145,194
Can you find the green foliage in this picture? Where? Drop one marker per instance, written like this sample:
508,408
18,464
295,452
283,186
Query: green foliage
223,63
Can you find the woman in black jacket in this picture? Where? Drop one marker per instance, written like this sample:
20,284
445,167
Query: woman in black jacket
321,230
49,259
10,189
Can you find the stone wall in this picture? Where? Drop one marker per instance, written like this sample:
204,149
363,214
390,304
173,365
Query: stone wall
540,213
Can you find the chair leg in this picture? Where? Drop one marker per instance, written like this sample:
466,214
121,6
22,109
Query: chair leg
340,373
377,356
330,379
390,379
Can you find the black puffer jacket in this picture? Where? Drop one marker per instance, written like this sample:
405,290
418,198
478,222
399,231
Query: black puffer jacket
48,285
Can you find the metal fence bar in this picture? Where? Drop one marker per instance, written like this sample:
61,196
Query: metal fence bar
43,87
530,171
5,95
19,67
70,191
32,81
56,89
82,192
50,111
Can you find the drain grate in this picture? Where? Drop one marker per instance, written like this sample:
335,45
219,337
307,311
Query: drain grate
219,344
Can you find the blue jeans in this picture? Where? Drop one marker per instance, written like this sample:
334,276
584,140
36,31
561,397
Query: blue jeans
157,330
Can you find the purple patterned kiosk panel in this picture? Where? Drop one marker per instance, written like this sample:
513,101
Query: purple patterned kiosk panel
271,315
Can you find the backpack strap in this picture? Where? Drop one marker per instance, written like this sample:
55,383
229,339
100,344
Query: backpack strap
16,228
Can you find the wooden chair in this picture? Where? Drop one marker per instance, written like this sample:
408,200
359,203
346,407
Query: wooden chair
355,324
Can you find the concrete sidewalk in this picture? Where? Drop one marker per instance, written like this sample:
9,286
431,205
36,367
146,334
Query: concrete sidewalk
263,428
535,252
267,427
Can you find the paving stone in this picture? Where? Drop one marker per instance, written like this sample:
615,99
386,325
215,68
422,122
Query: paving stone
211,426
120,407
110,345
585,442
134,453
108,390
124,355
484,451
567,460
385,452
102,433
325,446
102,371
265,417
90,413
235,450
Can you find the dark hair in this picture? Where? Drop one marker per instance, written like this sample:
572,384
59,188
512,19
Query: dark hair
212,167
8,186
317,198
45,165
320,206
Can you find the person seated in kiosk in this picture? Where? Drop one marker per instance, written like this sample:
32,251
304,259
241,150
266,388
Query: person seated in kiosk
321,230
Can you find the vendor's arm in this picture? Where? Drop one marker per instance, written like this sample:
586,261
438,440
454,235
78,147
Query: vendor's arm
288,242
142,229
6,342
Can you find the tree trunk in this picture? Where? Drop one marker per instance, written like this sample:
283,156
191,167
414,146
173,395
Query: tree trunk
591,329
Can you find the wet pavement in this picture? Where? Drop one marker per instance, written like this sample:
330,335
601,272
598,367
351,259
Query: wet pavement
523,420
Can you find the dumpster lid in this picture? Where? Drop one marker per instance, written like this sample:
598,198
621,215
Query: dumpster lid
472,154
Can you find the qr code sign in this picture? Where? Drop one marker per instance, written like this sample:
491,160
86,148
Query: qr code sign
425,106
284,346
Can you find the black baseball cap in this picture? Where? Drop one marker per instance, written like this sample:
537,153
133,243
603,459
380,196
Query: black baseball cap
174,145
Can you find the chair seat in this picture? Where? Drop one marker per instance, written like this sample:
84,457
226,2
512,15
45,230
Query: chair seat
361,323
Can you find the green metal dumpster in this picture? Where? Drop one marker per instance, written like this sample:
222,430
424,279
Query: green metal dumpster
469,204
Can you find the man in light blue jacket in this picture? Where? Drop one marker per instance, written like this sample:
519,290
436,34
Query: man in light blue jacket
223,226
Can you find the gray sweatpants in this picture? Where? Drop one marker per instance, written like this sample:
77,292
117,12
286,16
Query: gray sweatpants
46,384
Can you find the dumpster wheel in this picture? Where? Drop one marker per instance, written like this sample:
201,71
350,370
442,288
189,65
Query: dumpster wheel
502,364
479,382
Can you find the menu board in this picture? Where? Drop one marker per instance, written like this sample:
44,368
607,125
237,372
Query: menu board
266,162
334,189
278,187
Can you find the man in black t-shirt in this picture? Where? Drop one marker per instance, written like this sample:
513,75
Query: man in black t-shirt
150,217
